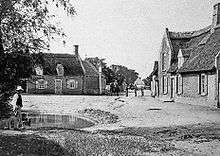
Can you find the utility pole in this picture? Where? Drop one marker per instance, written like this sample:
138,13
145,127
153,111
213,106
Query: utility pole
100,78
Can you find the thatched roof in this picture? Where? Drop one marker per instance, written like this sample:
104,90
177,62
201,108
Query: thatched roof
73,65
198,47
90,70
203,56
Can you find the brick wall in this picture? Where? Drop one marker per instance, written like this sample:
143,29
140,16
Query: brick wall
50,89
190,85
31,85
191,94
77,90
212,87
91,85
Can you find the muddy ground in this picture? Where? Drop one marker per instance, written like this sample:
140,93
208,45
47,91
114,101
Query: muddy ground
178,140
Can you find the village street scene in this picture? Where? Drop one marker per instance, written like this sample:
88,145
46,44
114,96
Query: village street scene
114,78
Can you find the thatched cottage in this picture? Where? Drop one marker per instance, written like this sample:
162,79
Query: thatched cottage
188,64
64,74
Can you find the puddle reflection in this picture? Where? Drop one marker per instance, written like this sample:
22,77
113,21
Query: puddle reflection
62,121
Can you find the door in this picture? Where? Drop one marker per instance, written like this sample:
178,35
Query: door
157,87
172,88
58,86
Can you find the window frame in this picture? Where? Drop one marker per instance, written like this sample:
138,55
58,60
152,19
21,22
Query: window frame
40,85
72,84
165,85
180,84
203,82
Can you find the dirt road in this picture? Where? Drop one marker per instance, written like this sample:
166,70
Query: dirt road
125,126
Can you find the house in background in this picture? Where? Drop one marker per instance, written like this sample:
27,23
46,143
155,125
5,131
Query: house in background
64,74
187,68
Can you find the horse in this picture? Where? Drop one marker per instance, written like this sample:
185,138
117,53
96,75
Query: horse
114,89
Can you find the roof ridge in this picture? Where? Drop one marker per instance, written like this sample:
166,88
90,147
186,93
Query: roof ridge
189,34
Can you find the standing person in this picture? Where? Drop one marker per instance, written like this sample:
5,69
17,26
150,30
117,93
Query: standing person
127,87
135,89
116,87
17,105
139,85
142,91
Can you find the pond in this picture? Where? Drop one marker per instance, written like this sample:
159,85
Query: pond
37,120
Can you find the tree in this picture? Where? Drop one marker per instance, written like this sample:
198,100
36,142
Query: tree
107,72
25,27
125,74
147,81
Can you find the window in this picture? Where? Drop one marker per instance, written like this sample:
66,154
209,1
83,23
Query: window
41,84
165,84
203,84
180,62
179,84
60,69
163,61
72,84
39,70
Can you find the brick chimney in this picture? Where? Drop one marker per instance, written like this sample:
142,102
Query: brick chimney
216,16
76,50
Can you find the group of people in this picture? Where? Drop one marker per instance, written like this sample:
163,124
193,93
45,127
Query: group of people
138,85
136,88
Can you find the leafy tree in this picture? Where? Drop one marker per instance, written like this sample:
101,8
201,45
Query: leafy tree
25,27
109,74
147,81
114,72
125,74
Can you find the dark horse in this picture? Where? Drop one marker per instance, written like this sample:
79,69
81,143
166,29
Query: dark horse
114,89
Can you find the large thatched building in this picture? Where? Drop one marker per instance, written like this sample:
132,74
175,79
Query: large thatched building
64,74
189,64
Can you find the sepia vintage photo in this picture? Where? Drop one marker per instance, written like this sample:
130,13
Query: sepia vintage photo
109,78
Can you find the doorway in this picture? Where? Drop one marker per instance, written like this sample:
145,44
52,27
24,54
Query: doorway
58,86
172,88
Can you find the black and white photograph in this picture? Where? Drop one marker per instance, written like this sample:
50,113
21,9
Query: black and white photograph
109,77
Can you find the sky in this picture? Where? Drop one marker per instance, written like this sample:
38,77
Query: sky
128,32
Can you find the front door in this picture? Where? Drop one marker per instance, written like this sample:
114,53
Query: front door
157,87
58,86
172,88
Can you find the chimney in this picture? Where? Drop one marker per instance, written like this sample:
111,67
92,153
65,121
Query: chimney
216,16
76,50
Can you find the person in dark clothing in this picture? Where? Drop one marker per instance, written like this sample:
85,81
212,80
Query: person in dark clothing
127,88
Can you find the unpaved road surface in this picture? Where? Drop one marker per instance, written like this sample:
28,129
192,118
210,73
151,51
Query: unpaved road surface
125,126
132,111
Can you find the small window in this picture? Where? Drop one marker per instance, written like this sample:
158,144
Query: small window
41,84
203,84
72,84
165,84
163,61
60,69
179,84
39,70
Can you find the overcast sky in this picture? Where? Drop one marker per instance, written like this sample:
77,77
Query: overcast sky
129,32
